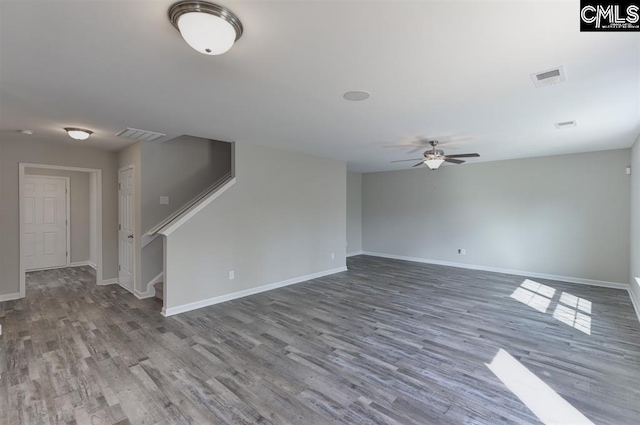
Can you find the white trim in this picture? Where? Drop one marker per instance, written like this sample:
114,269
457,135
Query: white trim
109,281
76,264
615,285
166,231
21,176
146,239
353,254
58,167
83,263
151,290
635,302
10,297
144,295
240,294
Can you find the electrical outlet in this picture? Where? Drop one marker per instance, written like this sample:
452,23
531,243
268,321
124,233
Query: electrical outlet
232,274
462,251
333,255
164,200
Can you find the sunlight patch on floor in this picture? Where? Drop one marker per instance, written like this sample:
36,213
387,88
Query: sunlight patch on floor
540,398
570,309
534,294
574,318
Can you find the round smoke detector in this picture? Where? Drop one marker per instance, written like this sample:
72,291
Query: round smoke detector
356,95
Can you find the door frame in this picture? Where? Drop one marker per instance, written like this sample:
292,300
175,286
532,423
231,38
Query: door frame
67,196
135,227
96,188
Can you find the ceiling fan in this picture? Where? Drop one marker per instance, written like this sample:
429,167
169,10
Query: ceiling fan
421,143
435,157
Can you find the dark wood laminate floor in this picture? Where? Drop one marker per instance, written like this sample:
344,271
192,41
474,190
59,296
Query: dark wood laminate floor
387,342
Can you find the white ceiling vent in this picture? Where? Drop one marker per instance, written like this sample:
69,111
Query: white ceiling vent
549,77
136,134
565,124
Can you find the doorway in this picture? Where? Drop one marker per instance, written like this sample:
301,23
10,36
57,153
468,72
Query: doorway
126,228
46,221
60,220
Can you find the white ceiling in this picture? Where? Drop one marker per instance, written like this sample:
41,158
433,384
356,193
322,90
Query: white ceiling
455,70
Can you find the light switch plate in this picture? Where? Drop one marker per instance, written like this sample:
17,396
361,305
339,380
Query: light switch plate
164,200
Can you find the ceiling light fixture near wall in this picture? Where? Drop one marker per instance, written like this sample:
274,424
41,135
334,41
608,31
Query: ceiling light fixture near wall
356,95
78,133
207,27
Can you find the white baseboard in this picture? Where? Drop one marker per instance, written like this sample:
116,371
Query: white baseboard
240,294
353,254
634,301
83,263
74,264
143,295
615,285
10,297
108,281
125,288
151,290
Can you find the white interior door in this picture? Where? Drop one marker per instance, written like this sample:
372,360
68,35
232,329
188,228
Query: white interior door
45,222
126,228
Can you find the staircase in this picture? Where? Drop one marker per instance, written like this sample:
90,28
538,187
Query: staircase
219,169
159,287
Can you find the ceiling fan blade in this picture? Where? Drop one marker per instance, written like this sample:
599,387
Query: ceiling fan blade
417,149
463,155
405,160
406,145
418,164
454,161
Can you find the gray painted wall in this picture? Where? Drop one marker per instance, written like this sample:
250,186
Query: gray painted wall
635,219
281,220
564,215
181,169
17,149
354,213
79,203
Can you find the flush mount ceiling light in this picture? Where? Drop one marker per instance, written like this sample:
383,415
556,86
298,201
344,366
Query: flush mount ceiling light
78,133
208,28
356,95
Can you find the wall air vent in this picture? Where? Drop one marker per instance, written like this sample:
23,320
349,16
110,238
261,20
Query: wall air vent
136,134
565,124
549,77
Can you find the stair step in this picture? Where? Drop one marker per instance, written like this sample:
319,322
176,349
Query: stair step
159,287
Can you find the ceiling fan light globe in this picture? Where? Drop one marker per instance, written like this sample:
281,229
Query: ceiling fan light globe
433,163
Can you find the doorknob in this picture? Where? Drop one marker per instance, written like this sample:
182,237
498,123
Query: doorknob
130,236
